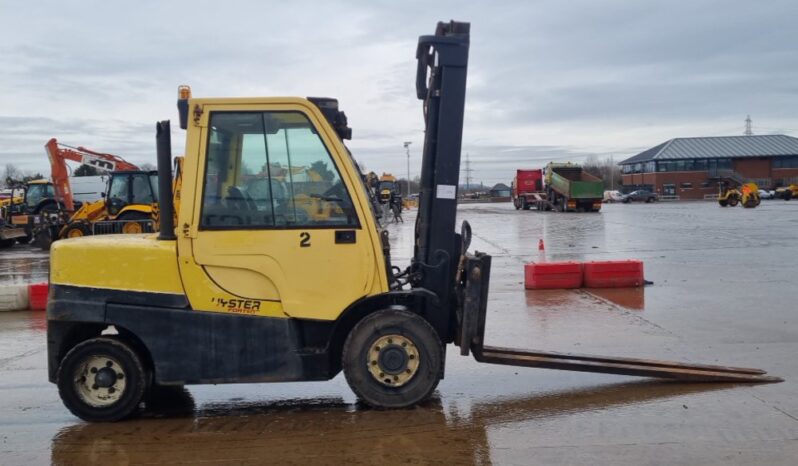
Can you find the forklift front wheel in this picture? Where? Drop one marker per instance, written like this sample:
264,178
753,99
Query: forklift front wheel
101,380
393,359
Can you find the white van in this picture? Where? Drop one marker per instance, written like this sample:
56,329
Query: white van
88,188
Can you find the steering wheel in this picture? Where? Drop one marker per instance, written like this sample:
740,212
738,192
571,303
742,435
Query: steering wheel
336,190
236,200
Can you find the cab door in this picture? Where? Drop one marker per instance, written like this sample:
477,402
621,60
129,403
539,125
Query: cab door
274,227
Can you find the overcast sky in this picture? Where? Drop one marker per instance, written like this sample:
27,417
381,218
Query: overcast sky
548,80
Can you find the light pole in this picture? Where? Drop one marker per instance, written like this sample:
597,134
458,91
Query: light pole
407,147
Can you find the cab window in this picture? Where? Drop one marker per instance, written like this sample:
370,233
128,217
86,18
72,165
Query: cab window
37,193
271,170
119,188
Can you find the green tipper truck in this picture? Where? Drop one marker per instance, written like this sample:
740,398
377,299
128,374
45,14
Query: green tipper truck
571,189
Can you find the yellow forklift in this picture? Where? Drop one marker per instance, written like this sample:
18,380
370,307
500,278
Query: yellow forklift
249,288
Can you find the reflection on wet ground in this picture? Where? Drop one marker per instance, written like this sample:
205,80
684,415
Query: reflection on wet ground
627,298
23,264
331,431
698,310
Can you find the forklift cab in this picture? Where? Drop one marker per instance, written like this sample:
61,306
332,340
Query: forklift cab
129,188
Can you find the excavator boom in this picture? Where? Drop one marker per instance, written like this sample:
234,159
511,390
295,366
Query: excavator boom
59,153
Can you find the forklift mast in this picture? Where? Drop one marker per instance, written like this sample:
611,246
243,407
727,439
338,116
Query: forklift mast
441,84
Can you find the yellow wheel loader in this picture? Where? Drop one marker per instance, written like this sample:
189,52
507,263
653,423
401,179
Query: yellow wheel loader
247,287
747,195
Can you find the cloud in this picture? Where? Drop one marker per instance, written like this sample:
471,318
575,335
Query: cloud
547,79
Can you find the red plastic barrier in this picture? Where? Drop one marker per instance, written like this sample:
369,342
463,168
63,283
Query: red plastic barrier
614,274
552,275
37,295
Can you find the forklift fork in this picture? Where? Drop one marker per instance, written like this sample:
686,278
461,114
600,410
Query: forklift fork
475,277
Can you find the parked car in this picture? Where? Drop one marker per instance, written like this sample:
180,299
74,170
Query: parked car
613,196
765,194
640,196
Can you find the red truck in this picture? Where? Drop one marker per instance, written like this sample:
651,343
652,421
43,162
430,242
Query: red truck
527,188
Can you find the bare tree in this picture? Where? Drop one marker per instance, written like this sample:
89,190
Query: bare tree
606,169
10,175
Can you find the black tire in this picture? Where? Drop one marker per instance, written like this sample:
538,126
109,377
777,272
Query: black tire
25,239
44,238
723,203
524,204
787,195
6,243
73,390
361,342
516,204
76,230
733,201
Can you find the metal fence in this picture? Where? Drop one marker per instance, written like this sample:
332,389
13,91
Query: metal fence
123,226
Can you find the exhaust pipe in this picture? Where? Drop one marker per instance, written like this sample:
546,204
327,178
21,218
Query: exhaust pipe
163,142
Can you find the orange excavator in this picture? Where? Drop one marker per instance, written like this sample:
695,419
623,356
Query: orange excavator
127,206
59,153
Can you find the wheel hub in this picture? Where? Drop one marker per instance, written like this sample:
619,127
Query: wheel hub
393,360
105,378
100,381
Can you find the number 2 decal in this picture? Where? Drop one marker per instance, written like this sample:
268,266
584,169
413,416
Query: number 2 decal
304,239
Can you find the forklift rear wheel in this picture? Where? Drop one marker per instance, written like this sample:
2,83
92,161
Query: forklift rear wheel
393,359
101,380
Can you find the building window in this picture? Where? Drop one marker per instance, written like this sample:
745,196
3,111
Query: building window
669,189
724,164
785,162
687,185
705,184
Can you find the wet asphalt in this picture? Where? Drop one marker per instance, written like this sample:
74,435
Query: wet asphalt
724,292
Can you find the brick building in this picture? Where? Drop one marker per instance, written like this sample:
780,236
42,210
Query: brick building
692,167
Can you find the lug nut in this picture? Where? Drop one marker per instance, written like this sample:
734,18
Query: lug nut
93,370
